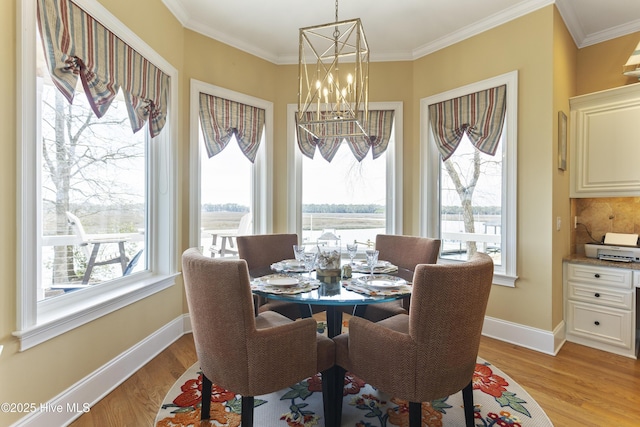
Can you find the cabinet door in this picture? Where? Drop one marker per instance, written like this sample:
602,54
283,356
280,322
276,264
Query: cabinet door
605,143
602,324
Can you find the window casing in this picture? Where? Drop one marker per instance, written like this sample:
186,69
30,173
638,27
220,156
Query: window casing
393,203
40,321
505,273
261,172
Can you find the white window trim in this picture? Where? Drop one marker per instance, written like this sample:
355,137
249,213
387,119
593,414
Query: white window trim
262,175
394,171
506,274
38,322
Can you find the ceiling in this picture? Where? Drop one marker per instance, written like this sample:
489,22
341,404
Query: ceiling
396,30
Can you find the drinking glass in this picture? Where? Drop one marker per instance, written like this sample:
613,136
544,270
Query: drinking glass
310,261
372,259
352,249
298,251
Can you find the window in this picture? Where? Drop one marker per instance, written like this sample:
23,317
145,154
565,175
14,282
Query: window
357,200
93,180
469,200
229,194
83,174
225,198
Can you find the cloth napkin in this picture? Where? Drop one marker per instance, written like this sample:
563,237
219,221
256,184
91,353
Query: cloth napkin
360,286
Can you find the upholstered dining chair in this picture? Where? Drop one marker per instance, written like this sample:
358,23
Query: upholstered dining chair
247,354
262,250
429,353
406,252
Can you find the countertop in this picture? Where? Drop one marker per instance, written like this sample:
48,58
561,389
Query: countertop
582,259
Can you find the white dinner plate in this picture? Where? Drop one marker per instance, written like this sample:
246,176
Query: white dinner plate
382,282
284,282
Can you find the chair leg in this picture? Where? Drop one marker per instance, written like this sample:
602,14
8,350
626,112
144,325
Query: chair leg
123,257
467,399
415,414
337,395
247,411
205,408
328,389
90,263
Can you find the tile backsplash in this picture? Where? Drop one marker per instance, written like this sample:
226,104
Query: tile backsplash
603,215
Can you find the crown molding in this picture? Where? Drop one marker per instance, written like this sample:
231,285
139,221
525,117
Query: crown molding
495,20
565,7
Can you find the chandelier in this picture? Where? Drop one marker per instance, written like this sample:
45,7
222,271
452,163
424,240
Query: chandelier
333,79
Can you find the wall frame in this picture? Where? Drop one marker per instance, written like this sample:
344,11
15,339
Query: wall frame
562,141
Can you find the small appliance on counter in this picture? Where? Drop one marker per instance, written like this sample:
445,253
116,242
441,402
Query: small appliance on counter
615,247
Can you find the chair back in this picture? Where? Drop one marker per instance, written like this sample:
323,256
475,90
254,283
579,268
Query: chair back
246,225
222,315
262,250
448,305
81,235
407,251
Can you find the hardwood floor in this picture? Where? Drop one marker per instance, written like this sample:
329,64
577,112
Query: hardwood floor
580,386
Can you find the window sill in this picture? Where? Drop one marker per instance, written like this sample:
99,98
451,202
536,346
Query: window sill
499,278
504,280
60,318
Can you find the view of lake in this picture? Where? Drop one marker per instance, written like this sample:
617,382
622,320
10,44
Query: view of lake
350,227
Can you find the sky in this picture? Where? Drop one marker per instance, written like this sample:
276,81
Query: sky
226,178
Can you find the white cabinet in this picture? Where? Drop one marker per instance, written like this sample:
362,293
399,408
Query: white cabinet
605,143
600,307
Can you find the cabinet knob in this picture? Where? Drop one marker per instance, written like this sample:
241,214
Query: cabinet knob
596,323
597,276
597,295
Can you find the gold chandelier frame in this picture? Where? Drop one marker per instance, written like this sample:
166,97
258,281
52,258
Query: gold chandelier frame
333,78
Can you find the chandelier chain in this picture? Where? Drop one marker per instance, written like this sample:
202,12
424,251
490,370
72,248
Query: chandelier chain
336,33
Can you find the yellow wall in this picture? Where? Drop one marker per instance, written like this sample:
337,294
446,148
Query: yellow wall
564,87
600,66
7,200
537,45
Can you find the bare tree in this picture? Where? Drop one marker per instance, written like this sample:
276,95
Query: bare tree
75,147
465,171
465,191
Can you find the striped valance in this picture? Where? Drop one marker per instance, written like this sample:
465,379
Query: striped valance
378,130
76,45
221,119
480,115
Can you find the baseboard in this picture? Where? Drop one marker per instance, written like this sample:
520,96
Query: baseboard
548,342
70,404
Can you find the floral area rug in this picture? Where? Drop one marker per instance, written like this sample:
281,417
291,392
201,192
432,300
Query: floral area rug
498,400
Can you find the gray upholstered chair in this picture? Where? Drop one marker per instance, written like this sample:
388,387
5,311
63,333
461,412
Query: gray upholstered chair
262,250
243,352
406,252
430,353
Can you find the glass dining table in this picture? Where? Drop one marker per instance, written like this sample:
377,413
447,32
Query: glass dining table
332,296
